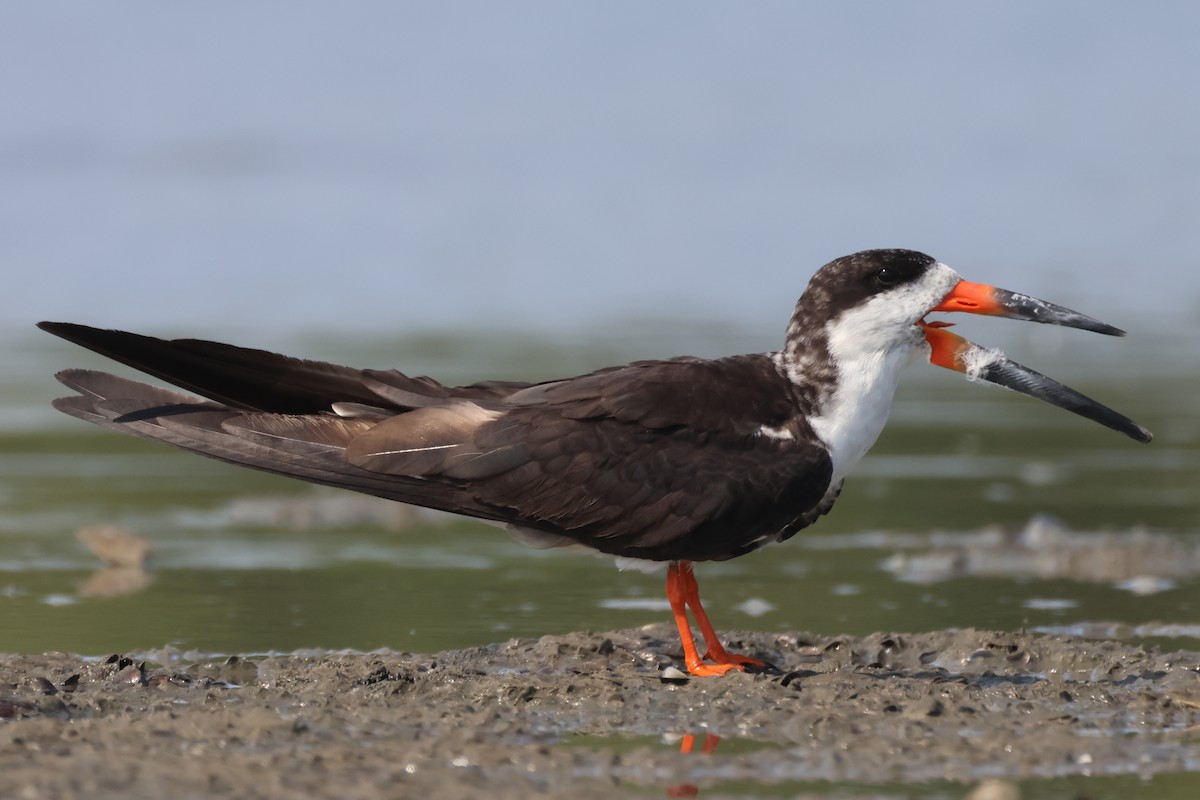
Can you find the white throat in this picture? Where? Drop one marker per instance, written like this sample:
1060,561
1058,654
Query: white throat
852,417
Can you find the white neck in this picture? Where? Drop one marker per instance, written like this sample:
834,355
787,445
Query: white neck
850,418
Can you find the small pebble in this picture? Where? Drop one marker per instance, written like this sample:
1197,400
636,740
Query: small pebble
673,675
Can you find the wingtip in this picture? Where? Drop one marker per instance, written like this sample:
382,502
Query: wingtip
64,330
69,376
68,404
75,379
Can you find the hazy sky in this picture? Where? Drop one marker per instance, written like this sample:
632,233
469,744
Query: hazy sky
287,166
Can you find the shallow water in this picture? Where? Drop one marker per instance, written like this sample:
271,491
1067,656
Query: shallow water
691,767
977,508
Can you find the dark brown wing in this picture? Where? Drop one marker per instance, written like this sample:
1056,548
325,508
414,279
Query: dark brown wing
658,460
659,494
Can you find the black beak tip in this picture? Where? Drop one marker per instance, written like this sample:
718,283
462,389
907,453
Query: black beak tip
1011,375
1087,324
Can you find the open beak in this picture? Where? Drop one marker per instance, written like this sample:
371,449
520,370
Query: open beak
952,351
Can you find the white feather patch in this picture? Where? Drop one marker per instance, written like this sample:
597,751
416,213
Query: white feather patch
779,434
976,359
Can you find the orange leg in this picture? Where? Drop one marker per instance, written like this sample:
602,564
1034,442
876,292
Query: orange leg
715,651
711,740
684,593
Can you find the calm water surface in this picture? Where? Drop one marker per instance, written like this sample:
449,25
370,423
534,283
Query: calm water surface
977,508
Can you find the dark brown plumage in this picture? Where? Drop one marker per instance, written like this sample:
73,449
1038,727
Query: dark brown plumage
655,460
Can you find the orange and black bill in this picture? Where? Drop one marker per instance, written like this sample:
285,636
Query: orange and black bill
952,351
978,298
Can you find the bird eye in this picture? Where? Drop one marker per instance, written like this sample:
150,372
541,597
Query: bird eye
887,276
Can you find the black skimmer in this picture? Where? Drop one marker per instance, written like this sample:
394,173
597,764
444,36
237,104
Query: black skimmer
671,461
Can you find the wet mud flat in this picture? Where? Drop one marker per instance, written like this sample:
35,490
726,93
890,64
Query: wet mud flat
591,715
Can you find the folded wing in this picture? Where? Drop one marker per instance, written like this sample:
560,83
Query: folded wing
626,460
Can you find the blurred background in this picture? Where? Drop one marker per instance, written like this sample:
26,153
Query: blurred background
530,190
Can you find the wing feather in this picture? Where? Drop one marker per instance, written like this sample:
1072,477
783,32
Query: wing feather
658,460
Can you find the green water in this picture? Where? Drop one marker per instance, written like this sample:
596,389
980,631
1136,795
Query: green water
954,458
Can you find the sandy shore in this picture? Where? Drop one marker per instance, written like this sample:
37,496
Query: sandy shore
589,715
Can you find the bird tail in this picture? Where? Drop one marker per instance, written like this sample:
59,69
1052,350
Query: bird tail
262,410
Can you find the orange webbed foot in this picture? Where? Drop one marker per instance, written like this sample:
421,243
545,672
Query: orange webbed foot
702,670
720,655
